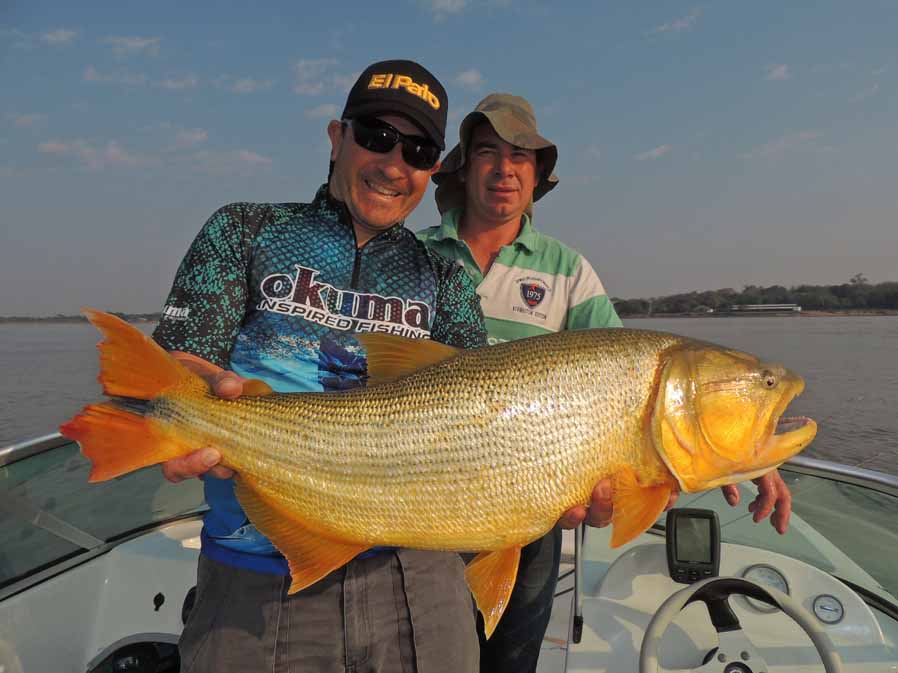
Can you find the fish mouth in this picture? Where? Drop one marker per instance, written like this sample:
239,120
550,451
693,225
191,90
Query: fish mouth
785,425
790,436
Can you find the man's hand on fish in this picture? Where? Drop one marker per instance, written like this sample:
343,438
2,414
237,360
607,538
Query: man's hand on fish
599,512
773,496
227,385
601,507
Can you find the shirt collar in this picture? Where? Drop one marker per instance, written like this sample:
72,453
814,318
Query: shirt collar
527,237
325,203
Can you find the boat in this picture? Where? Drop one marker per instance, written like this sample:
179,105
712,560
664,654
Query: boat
100,577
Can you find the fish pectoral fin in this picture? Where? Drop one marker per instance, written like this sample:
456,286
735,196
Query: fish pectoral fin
310,554
391,357
636,507
491,576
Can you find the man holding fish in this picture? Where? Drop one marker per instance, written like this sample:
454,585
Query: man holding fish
275,292
281,292
529,284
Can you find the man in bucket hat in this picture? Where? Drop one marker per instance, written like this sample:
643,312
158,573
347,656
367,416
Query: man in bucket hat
529,284
246,302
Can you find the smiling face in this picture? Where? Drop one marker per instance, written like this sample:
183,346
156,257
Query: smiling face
378,189
499,177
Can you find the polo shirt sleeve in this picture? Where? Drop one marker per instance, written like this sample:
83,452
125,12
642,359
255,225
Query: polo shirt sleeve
207,302
458,319
588,304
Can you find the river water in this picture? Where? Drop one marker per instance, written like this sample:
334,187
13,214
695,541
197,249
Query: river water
850,365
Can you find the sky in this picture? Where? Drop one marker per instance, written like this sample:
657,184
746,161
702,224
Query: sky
701,146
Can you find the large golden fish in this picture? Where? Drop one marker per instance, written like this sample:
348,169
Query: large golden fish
478,450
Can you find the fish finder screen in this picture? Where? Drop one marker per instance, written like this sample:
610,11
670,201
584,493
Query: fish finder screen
694,540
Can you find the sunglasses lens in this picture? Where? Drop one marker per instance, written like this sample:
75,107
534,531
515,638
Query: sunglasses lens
420,156
378,136
372,137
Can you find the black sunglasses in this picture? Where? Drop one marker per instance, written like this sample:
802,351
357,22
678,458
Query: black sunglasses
375,135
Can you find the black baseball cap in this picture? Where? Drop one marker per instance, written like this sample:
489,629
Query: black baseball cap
401,87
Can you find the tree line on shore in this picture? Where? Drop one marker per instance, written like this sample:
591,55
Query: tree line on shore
59,317
857,294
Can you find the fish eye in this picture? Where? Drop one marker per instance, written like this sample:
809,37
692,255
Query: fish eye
769,379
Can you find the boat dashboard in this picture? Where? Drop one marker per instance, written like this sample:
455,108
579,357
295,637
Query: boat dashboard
623,590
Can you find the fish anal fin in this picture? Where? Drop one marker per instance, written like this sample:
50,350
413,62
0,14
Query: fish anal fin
391,357
131,363
310,554
117,441
491,576
636,507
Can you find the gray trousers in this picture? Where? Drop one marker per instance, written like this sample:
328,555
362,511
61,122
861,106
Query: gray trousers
406,611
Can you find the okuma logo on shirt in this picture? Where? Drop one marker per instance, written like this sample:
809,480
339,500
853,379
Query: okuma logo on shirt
175,312
302,295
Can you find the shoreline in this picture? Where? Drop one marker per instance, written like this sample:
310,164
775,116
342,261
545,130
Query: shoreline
808,313
65,321
72,320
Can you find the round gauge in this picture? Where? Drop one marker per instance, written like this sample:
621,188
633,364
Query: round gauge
828,609
766,576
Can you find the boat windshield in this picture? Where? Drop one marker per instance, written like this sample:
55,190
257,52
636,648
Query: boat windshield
845,522
50,513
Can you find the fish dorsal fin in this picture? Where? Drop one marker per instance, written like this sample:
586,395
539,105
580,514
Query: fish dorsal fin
391,357
636,507
131,363
491,576
310,554
256,388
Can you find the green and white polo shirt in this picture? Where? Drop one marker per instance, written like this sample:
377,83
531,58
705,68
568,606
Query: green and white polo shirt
535,285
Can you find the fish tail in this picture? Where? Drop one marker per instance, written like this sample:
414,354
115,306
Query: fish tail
131,363
115,438
117,441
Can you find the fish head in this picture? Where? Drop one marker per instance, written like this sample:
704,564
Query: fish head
718,419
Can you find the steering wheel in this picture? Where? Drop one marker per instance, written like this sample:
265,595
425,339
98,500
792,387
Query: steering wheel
735,653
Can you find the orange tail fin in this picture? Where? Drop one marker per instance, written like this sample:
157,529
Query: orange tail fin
131,363
117,441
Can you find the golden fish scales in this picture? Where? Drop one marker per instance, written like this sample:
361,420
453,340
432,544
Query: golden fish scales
465,454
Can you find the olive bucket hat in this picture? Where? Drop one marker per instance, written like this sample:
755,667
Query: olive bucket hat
513,120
